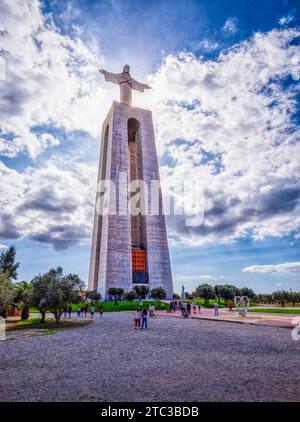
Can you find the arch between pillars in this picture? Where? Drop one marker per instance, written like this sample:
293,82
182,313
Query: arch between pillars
138,222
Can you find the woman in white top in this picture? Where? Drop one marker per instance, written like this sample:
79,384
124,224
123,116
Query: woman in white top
137,319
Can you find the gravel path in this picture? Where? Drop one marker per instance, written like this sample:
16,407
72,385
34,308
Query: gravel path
174,360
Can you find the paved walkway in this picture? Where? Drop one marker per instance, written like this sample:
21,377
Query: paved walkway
265,319
297,308
175,359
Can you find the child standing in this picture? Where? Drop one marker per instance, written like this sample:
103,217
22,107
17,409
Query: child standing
216,308
137,319
151,311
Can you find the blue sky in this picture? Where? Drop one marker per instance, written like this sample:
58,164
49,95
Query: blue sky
225,102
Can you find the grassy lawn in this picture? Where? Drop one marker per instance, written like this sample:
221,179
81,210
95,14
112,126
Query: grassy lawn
49,327
210,304
121,306
276,311
126,306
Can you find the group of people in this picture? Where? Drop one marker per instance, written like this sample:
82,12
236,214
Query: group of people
83,311
140,317
185,308
216,307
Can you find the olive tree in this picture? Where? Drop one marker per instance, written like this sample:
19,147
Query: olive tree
53,292
130,296
7,293
282,297
205,291
93,295
116,292
294,298
141,291
158,293
246,291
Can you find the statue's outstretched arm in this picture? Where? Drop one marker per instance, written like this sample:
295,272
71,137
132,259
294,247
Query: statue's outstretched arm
138,85
111,77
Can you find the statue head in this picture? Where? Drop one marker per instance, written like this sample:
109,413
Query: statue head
126,68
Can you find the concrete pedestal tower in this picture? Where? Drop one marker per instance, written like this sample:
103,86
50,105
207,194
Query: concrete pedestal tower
128,248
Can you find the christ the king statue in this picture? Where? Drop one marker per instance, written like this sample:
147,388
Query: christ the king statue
126,82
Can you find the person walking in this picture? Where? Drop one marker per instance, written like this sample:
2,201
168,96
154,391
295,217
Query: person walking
101,311
188,308
137,319
65,312
216,308
69,310
92,311
185,313
85,310
151,311
78,312
144,318
230,306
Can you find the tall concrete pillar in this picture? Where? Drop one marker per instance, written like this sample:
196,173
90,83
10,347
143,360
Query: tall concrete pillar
128,249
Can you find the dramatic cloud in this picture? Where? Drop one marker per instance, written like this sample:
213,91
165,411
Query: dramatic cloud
228,123
49,205
231,124
51,81
288,267
50,87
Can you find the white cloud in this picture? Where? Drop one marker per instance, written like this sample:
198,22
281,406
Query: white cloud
3,246
235,119
230,25
49,204
288,267
206,45
285,20
201,277
50,79
234,115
